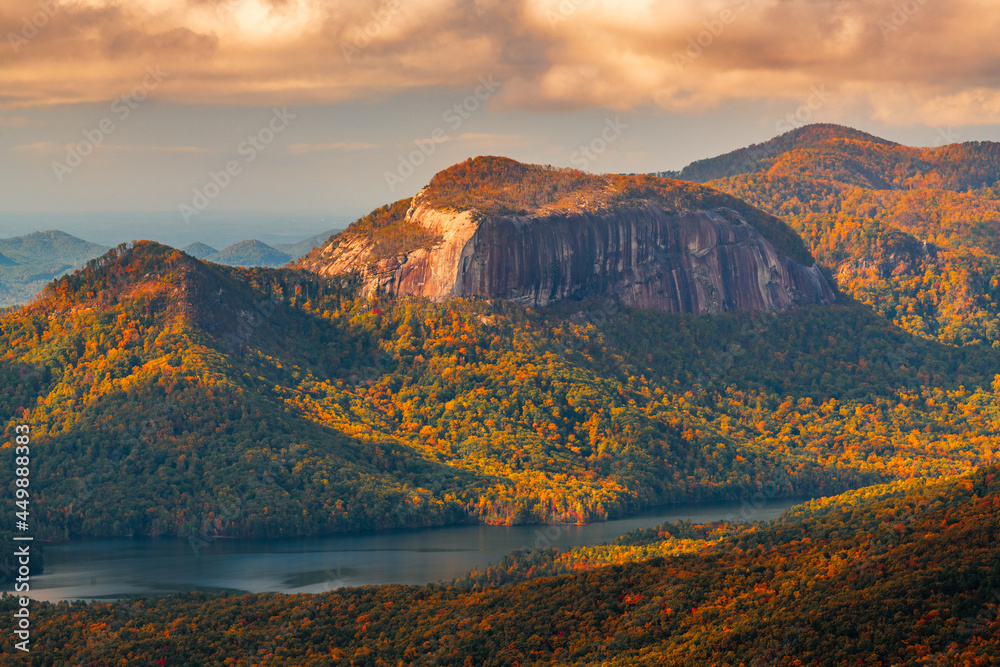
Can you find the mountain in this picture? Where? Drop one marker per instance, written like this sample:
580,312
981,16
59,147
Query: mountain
200,250
303,248
756,156
192,398
256,253
250,253
905,574
135,375
29,262
913,232
172,396
47,246
495,228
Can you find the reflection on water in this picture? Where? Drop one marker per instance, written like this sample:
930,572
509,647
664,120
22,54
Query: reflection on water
115,568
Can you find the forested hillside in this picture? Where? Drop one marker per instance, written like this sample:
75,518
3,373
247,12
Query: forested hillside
907,574
910,231
757,156
193,398
171,396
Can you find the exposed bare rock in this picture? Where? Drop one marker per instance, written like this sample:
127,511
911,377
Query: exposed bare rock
643,252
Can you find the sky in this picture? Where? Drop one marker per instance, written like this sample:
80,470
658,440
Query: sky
317,111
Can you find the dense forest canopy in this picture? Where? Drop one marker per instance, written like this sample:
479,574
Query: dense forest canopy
912,232
906,574
193,397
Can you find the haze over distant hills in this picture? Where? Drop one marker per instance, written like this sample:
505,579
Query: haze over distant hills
215,228
245,253
29,262
256,253
200,250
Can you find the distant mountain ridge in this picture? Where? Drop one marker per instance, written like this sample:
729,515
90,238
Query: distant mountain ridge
249,253
754,157
29,262
304,247
312,404
252,252
200,250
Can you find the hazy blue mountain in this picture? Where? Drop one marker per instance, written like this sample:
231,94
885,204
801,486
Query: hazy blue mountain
200,250
49,245
302,248
250,253
32,260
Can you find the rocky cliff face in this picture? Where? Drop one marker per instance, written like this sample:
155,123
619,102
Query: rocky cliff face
638,252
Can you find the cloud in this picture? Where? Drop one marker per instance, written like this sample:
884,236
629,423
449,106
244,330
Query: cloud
162,149
914,61
18,121
484,136
336,147
49,146
37,147
484,140
52,147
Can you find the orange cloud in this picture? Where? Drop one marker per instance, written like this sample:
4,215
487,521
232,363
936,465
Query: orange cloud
911,61
334,147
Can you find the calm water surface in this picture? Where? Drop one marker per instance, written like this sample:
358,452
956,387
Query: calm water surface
114,568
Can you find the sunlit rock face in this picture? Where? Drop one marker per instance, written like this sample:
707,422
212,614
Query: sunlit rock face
498,229
691,262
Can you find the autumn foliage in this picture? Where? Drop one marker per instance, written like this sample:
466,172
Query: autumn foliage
910,231
191,397
905,574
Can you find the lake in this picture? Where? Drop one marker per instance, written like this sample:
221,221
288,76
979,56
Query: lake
115,568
